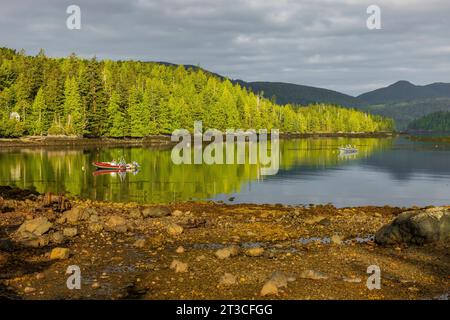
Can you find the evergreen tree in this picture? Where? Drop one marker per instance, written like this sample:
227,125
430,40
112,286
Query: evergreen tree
74,113
116,121
38,114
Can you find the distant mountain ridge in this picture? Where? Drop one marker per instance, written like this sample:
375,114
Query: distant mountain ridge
405,91
285,93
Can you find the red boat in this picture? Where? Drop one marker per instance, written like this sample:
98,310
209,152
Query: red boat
116,166
111,166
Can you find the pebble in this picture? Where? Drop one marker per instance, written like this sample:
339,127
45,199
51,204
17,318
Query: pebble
180,249
95,285
70,232
269,289
174,229
179,266
29,290
227,252
140,243
314,275
40,276
228,279
59,254
336,239
325,222
57,237
96,227
200,258
177,213
254,252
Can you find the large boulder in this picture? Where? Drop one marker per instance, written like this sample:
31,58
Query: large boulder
33,228
417,227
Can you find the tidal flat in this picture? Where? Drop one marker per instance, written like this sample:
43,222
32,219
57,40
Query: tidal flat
207,250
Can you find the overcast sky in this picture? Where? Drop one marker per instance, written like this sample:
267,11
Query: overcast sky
322,43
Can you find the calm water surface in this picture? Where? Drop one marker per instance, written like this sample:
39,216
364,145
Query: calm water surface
386,171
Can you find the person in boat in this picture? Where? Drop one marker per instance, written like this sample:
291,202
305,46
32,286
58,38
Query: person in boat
114,162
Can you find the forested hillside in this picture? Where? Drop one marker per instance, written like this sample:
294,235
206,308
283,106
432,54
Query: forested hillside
406,111
73,96
438,121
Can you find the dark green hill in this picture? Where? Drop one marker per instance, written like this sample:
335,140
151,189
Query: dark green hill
406,111
284,93
437,121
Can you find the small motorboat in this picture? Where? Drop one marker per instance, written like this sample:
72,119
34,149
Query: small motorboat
119,166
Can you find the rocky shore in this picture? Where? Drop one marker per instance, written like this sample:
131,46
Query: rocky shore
154,141
217,251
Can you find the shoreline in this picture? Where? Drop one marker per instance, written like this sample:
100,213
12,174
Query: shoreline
208,251
157,140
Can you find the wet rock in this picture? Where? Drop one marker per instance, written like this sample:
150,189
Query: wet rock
254,252
325,222
94,218
70,232
279,279
95,285
336,239
177,213
57,237
228,280
156,212
59,254
117,224
135,213
29,290
200,258
174,229
314,275
96,227
180,250
33,228
417,227
179,266
269,289
39,276
227,252
76,214
38,242
140,243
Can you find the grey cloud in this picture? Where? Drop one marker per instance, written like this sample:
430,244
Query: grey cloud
321,43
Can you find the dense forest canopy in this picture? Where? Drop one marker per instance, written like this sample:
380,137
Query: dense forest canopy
437,121
73,96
